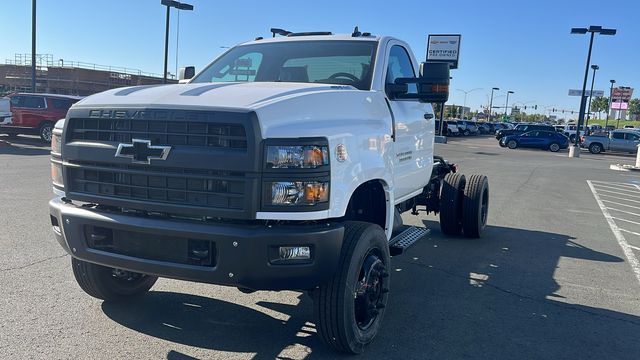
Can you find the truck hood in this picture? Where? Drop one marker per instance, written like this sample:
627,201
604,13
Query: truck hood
246,96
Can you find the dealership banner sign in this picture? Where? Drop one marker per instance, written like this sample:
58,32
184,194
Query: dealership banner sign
595,93
623,94
444,48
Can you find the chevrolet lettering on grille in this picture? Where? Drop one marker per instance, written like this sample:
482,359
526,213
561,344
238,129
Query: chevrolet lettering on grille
142,152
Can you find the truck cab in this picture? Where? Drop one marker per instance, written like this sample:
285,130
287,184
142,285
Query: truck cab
284,164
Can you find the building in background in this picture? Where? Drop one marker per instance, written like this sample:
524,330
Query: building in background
69,77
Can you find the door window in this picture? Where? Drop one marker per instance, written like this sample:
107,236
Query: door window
33,102
632,137
618,135
399,65
63,104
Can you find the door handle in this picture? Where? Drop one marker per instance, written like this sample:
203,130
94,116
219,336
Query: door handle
428,116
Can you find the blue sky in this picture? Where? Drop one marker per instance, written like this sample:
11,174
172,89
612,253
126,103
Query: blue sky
524,46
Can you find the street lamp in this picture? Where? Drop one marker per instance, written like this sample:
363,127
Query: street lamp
491,102
33,46
506,104
169,4
575,151
465,99
593,79
610,103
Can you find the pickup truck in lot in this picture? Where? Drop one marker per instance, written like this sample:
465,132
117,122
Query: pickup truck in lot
283,165
618,140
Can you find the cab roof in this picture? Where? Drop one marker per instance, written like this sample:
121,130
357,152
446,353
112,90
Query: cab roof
295,37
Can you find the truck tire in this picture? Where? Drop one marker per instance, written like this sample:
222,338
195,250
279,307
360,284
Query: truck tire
110,284
451,197
595,148
45,132
475,206
350,307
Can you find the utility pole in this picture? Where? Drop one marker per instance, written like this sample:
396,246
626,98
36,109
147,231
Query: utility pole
33,45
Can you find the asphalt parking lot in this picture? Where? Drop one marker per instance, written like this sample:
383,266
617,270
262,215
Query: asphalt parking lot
555,277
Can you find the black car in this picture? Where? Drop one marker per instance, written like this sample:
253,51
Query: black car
523,128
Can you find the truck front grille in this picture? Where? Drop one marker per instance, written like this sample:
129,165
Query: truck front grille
165,132
181,186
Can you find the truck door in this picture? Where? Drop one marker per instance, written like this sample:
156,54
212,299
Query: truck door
631,142
616,143
413,146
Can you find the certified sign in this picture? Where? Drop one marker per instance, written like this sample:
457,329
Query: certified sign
623,94
444,48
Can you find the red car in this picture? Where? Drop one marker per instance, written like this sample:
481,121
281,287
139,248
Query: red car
37,113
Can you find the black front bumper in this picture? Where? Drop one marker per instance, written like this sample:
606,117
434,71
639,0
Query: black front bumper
242,254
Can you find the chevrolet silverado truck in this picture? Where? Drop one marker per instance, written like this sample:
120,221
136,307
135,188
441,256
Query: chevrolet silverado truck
283,165
625,140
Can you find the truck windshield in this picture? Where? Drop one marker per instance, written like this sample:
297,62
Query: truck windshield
325,62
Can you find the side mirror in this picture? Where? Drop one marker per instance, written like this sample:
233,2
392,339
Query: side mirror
187,73
431,86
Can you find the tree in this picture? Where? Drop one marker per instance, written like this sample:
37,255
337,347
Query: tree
634,107
599,104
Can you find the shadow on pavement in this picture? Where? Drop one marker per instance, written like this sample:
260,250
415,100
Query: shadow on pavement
492,298
23,146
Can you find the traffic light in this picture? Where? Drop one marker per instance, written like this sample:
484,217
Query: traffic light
525,107
535,107
563,111
553,109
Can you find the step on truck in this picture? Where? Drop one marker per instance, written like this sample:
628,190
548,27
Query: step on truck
285,164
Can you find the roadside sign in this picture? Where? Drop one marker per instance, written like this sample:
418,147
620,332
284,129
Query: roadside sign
596,93
619,93
444,48
616,105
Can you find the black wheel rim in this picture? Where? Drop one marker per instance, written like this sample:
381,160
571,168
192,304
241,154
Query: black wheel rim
370,290
46,133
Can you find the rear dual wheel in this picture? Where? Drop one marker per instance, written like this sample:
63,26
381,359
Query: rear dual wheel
464,205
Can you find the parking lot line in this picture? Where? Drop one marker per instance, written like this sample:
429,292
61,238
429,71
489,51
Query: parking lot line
632,233
619,191
625,220
599,183
624,211
626,249
620,198
617,203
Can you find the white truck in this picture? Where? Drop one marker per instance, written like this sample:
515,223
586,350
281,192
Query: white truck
284,164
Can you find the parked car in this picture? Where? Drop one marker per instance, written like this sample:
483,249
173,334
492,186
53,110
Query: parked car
541,139
523,128
485,128
5,111
467,127
36,113
629,127
452,128
610,127
559,128
625,140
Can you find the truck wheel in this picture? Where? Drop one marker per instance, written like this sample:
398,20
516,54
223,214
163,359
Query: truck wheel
572,138
554,147
45,132
108,283
466,133
475,206
350,307
512,144
451,197
595,148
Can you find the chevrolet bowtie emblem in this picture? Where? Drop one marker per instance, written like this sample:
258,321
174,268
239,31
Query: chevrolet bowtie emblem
142,152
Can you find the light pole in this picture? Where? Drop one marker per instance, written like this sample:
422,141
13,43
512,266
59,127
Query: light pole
593,79
465,99
610,102
33,46
169,4
491,102
506,104
575,151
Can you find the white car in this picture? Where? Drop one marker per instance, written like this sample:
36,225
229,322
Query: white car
5,111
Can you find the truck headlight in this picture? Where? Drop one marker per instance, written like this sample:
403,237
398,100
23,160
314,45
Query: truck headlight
56,174
297,156
298,192
56,143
